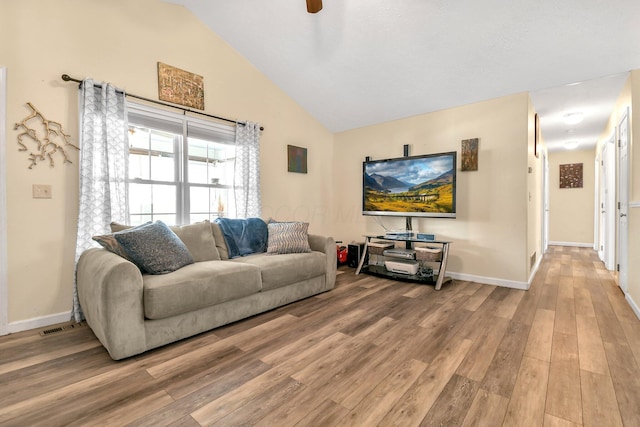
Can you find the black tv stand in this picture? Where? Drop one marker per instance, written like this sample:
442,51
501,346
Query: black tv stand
378,269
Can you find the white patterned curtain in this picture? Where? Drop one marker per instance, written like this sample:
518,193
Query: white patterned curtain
104,157
246,184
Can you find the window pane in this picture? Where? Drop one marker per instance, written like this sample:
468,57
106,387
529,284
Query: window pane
138,166
199,217
210,200
200,200
198,172
210,162
138,137
139,219
164,199
162,168
167,219
221,172
162,142
140,198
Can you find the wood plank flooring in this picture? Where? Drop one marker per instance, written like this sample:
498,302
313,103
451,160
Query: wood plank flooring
372,352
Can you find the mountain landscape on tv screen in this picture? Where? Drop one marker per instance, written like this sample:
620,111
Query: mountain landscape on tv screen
388,194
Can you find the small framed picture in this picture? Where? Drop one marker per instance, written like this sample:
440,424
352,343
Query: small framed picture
297,159
571,175
469,155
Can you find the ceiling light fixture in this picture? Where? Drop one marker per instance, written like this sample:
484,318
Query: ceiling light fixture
573,118
571,145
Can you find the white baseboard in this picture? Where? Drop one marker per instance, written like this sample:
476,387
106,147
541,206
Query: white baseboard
633,305
576,244
489,280
38,322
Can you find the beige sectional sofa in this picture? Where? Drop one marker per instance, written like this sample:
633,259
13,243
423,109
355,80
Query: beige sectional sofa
131,312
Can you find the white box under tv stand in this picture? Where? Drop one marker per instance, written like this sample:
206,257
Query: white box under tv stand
377,270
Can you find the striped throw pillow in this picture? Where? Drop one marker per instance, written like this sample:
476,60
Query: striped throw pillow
288,238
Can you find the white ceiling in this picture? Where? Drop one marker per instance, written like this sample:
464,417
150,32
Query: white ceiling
363,62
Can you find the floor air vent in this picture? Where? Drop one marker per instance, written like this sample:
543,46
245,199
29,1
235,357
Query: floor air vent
63,328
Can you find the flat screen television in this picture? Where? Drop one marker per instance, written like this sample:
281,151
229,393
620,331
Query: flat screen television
422,186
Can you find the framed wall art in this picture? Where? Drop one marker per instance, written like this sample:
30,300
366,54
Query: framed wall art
180,87
296,159
571,175
469,155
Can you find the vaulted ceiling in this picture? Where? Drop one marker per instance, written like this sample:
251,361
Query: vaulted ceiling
363,62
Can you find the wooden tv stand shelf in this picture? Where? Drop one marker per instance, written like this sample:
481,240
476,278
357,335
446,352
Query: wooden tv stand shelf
377,267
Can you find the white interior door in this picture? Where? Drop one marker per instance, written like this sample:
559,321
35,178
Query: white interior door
545,203
598,246
4,293
609,201
623,200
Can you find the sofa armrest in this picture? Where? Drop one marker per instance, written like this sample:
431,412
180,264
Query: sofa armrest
110,294
328,246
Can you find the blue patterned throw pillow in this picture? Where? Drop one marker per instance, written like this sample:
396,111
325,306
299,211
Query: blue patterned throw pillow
154,248
288,238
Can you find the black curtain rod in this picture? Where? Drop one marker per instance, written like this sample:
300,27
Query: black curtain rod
68,78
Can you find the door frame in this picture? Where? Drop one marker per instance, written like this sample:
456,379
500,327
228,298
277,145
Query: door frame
4,292
545,202
609,221
623,201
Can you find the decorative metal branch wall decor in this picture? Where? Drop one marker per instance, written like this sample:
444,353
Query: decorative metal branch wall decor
48,136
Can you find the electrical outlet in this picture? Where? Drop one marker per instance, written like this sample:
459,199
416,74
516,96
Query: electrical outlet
41,191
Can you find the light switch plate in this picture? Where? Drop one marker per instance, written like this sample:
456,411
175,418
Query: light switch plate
41,191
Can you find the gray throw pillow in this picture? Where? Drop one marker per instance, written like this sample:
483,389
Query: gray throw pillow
110,243
288,238
154,248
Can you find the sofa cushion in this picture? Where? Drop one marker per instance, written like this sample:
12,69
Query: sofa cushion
199,240
221,245
244,236
288,237
196,286
197,237
154,248
283,270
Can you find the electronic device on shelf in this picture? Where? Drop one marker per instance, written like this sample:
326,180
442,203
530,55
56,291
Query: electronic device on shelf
402,266
426,236
399,234
400,253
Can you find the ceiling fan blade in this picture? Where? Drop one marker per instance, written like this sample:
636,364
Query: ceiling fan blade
314,6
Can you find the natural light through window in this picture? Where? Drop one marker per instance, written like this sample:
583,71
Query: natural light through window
180,169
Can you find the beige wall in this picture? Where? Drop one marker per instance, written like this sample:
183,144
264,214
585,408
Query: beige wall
571,209
490,234
121,42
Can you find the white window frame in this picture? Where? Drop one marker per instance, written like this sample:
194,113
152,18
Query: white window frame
190,126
